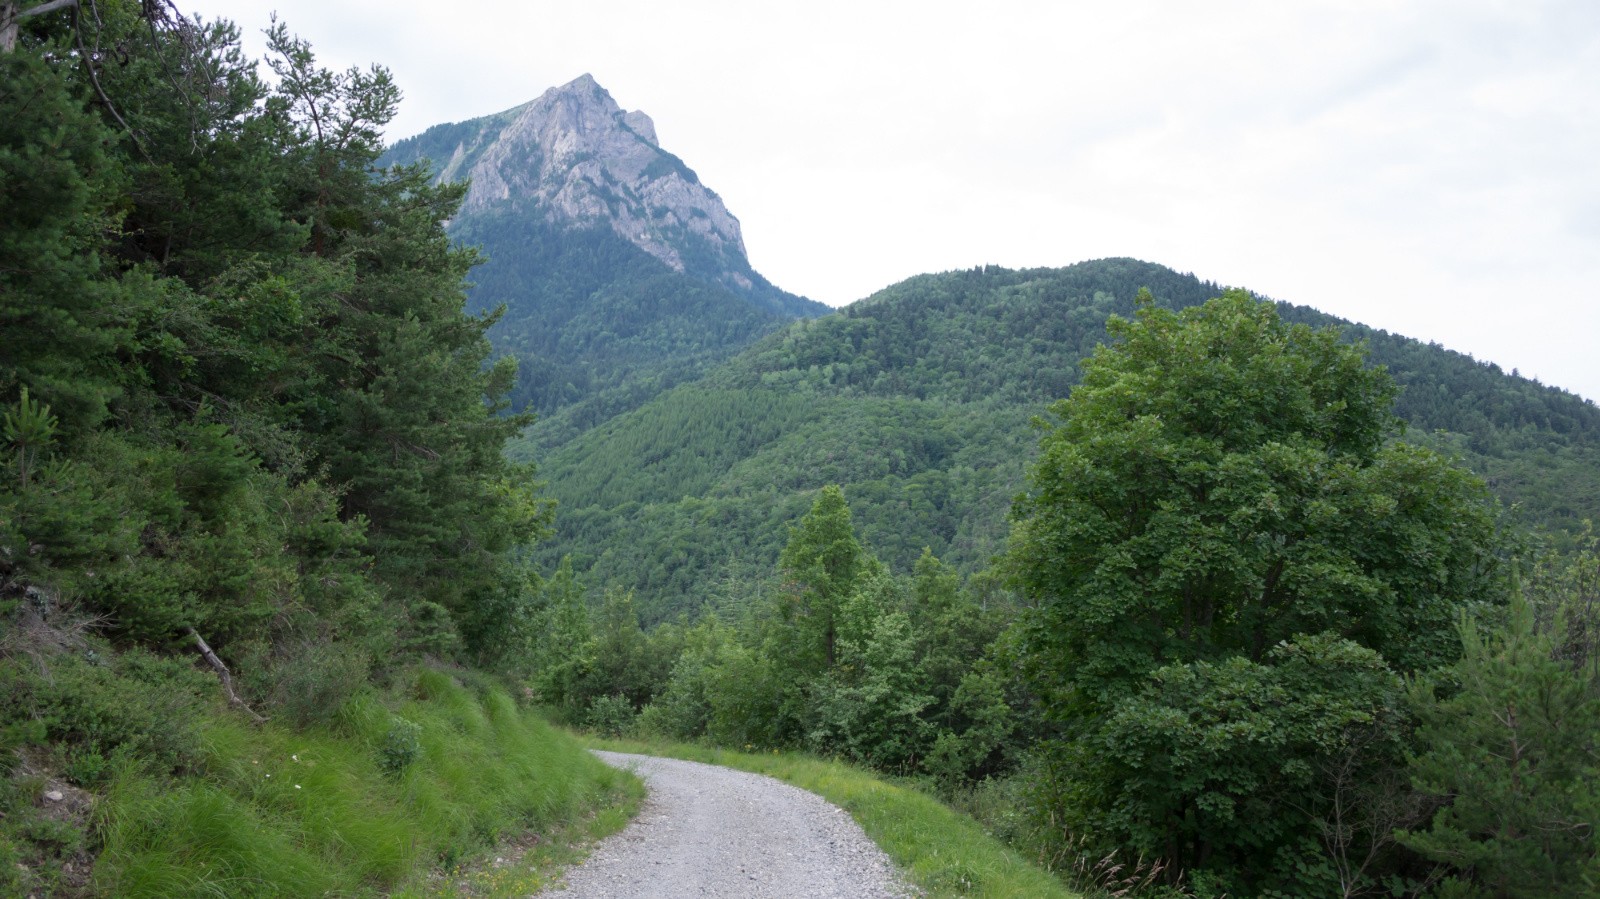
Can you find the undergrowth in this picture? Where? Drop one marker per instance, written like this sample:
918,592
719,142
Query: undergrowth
385,797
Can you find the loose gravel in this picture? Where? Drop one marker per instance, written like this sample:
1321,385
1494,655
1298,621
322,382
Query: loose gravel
708,831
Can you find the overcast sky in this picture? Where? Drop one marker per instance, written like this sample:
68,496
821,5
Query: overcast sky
1431,168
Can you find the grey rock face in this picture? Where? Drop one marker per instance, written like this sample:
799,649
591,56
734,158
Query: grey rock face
581,158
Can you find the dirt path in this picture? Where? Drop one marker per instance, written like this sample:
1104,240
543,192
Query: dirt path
708,831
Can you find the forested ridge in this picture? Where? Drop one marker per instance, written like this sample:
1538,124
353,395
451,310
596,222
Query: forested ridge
917,401
593,320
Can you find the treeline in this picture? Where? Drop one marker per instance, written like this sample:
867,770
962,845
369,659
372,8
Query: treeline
1244,643
243,408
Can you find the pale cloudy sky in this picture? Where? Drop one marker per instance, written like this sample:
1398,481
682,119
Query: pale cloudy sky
1431,167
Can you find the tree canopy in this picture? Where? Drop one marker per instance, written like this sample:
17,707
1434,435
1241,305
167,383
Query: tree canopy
1224,544
246,399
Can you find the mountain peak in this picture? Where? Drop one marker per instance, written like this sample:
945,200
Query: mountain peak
576,157
574,160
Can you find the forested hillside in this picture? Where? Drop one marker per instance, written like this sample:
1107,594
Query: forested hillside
1155,584
1244,639
594,322
917,400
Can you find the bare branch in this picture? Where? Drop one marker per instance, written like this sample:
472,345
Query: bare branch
218,666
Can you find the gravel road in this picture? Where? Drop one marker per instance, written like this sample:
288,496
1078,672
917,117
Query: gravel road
712,831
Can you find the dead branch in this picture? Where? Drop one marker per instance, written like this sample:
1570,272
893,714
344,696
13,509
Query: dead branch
218,666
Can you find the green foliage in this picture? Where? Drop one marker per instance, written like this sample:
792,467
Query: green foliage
1203,757
821,564
611,716
1564,590
401,745
97,707
249,400
1218,489
43,850
916,402
28,428
842,658
307,680
595,323
871,707
977,730
1510,743
57,185
240,398
562,656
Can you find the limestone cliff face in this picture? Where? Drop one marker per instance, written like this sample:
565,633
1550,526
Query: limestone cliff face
578,157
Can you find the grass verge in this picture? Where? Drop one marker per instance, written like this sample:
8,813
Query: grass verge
378,802
942,851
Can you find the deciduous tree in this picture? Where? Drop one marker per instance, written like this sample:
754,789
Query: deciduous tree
1219,496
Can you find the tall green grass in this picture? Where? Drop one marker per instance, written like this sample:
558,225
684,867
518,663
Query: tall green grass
368,805
940,850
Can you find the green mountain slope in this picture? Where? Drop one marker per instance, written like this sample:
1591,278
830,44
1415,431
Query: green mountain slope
918,401
594,320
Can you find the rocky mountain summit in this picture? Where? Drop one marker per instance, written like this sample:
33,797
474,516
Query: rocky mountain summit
618,272
575,157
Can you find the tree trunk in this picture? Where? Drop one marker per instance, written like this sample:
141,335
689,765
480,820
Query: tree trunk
8,27
13,13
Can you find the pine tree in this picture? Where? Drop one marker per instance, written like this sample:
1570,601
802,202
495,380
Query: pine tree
1510,741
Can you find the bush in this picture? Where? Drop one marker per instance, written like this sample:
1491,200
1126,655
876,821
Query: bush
308,681
104,705
401,745
612,716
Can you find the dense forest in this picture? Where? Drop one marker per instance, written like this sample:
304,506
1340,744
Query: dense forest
595,321
917,401
1243,642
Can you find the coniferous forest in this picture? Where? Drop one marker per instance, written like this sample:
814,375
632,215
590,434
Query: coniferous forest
1175,590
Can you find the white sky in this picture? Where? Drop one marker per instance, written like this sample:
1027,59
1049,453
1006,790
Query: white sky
1431,167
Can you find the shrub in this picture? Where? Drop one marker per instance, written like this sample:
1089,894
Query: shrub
307,681
136,704
612,716
401,745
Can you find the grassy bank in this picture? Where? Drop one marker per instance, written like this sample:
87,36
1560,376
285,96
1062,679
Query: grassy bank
399,794
940,850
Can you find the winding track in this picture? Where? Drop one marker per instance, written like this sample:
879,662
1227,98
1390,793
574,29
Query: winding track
708,831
